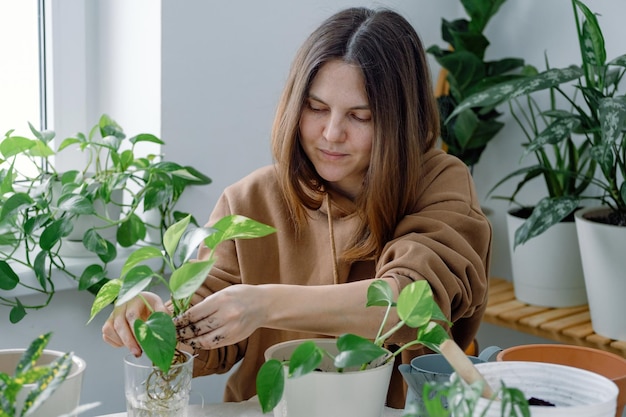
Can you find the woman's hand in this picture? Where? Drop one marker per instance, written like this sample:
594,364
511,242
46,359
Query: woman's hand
118,328
224,318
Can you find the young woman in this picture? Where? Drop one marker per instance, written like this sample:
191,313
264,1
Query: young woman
358,192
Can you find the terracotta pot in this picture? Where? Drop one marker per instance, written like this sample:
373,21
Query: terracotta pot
595,360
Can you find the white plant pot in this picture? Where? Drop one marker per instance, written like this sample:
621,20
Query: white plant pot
65,399
574,392
602,248
324,394
547,270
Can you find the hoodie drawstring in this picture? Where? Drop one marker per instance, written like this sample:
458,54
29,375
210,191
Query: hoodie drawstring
333,250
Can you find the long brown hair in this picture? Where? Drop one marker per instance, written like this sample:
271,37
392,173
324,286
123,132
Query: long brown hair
391,57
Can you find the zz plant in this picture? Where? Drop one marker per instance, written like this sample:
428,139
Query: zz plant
415,307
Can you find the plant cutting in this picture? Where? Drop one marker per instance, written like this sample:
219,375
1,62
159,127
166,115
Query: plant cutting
42,207
157,335
415,307
27,388
467,133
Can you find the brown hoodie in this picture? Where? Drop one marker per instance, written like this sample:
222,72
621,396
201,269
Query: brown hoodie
446,241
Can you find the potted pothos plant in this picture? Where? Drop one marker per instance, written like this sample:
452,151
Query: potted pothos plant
96,212
467,133
181,278
352,355
36,374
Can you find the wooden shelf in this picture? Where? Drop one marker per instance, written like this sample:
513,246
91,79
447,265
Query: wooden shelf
570,325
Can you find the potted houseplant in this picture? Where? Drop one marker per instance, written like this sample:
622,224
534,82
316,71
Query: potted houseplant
318,377
524,389
157,334
42,209
594,113
39,382
467,133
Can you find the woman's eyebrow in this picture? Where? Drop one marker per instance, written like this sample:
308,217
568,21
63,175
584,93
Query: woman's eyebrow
358,107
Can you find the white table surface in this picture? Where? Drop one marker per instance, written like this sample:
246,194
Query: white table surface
250,408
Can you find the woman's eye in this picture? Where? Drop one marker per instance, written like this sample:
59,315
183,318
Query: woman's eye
314,108
362,117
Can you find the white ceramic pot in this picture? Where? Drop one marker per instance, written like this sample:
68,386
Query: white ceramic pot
574,392
324,394
547,270
65,399
604,262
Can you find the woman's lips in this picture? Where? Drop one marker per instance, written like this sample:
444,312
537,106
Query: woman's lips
332,155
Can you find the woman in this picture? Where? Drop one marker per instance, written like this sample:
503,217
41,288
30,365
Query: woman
358,192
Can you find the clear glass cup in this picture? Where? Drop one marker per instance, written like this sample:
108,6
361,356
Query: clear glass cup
151,393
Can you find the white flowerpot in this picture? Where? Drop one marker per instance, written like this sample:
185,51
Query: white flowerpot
602,248
574,392
547,270
328,393
64,399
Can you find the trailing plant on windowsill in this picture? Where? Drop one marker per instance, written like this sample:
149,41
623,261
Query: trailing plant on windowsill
41,206
596,113
467,133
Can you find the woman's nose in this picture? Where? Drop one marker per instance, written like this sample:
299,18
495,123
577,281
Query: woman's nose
334,130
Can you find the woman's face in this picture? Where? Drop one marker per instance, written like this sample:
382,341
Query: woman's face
336,127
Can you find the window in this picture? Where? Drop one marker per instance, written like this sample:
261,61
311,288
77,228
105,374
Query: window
21,76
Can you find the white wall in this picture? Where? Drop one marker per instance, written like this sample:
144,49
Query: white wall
206,76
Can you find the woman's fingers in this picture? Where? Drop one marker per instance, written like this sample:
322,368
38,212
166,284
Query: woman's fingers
118,328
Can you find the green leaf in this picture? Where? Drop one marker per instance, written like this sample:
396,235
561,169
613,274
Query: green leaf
415,304
56,373
270,384
107,294
32,354
432,336
189,243
518,87
157,338
40,269
76,204
91,275
94,242
57,230
188,278
15,145
237,227
379,293
135,281
173,234
142,254
14,204
146,137
17,313
305,359
548,212
110,254
612,115
131,231
556,132
8,278
592,41
355,351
